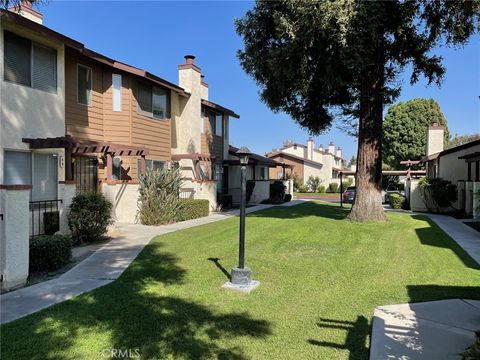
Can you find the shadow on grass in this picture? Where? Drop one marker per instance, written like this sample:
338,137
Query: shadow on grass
216,261
434,236
355,340
133,313
420,293
304,210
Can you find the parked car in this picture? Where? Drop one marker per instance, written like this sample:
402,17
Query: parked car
349,194
393,189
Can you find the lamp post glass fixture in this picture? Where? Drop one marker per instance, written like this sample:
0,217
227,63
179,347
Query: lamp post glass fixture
241,275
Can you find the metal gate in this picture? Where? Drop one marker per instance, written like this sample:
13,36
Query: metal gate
85,174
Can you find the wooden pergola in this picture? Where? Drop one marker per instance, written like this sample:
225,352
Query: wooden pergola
79,147
196,158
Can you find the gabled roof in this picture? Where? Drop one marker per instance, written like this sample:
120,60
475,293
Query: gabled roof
78,47
293,157
451,150
220,108
254,158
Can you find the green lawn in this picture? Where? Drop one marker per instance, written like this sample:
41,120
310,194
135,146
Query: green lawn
321,278
325,195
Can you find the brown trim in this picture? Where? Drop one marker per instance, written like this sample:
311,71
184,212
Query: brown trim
115,182
204,84
68,182
471,157
16,187
220,108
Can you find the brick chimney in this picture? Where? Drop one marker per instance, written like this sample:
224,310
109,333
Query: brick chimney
310,146
331,148
26,10
434,139
338,153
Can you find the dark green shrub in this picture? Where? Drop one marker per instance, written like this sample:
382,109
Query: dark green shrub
302,189
345,185
49,252
225,200
313,183
277,192
396,200
437,192
321,189
193,208
288,197
51,222
159,200
89,217
332,187
250,187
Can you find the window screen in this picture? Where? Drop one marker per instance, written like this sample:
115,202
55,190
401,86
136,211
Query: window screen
144,98
202,120
17,59
117,92
159,101
17,168
218,124
45,179
116,169
84,85
44,68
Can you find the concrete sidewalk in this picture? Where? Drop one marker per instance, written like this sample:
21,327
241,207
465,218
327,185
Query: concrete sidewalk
435,329
430,330
101,268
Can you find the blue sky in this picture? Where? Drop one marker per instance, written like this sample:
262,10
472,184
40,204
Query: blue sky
156,35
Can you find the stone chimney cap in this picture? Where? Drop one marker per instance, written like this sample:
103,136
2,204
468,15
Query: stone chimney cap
331,143
189,59
435,126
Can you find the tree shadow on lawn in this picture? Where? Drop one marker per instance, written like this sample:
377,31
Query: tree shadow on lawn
134,312
304,210
421,293
433,235
357,333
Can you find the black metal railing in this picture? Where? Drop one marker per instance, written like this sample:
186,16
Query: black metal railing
44,217
187,193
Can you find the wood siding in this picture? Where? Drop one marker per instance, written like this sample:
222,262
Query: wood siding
99,122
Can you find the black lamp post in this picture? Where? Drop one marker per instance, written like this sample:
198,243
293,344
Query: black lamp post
241,274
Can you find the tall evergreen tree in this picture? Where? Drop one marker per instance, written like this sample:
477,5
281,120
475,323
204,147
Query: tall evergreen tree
313,59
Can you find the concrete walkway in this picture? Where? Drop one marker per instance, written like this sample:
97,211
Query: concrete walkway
431,330
101,268
435,329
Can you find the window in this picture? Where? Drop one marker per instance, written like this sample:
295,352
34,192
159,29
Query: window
116,168
29,63
219,177
17,168
216,123
150,165
152,101
43,175
263,173
84,85
202,121
116,92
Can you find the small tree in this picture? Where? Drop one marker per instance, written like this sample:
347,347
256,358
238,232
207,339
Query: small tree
313,183
437,193
159,201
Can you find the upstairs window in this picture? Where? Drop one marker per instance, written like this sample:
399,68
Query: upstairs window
29,63
202,121
116,92
152,101
84,85
216,123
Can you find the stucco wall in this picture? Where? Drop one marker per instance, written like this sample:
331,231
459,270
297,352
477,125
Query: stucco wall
261,191
313,170
26,112
66,192
124,198
452,168
296,150
206,190
14,237
416,198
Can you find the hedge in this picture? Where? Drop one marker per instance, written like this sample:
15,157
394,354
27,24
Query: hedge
396,200
321,189
332,187
49,252
194,208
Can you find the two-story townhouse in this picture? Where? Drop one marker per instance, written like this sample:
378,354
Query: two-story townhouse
307,160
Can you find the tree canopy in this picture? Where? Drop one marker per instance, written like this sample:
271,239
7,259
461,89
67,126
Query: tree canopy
315,60
458,140
405,130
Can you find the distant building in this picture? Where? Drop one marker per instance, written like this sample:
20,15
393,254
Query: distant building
307,160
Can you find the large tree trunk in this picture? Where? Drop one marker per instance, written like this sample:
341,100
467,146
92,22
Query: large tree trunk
367,204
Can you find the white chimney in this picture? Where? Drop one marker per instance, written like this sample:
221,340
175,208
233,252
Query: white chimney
434,139
26,10
321,149
338,153
310,146
331,148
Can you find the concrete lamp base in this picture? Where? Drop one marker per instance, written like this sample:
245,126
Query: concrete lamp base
241,281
